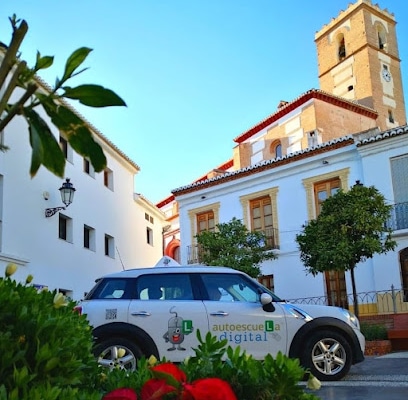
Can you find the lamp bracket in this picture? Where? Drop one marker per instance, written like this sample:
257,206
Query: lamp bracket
49,212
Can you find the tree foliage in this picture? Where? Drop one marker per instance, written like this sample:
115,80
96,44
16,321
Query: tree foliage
46,151
350,228
233,245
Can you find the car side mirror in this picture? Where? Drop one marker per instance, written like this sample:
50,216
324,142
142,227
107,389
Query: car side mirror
266,301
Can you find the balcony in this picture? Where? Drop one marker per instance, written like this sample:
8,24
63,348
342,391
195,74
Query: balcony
399,217
195,252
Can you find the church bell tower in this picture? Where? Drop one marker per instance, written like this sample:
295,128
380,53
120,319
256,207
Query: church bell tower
358,60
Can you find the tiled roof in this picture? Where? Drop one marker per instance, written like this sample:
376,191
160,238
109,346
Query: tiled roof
266,164
224,166
383,135
311,94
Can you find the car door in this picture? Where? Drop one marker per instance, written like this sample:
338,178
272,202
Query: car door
236,314
109,302
167,311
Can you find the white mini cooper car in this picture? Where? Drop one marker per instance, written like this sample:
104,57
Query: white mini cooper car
157,311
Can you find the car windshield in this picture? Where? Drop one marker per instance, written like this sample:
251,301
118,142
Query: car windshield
233,287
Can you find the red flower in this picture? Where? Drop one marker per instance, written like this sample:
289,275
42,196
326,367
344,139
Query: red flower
208,389
170,379
155,389
120,394
169,370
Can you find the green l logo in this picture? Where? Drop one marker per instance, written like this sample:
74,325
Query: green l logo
269,326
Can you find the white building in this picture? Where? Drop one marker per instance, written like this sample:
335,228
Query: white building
352,129
107,228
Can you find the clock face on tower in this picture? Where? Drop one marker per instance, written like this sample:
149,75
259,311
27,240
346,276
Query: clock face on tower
386,75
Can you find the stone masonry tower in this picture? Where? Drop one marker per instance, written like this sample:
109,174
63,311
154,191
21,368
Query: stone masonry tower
358,59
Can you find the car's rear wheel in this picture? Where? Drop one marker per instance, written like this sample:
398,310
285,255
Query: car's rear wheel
328,355
114,353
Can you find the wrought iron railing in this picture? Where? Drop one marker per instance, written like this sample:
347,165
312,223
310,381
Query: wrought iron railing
369,303
195,251
399,217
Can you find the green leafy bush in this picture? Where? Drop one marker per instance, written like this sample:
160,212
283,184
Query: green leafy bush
272,378
45,347
46,354
374,331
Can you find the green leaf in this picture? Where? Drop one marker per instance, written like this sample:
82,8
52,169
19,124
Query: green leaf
46,150
77,133
74,61
83,143
43,62
93,96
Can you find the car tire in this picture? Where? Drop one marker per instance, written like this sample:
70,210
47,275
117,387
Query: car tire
327,355
117,353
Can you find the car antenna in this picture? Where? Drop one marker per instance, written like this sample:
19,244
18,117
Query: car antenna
120,258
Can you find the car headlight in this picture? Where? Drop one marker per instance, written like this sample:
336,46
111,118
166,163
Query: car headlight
353,320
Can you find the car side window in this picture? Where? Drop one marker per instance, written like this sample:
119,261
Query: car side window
230,287
112,289
164,287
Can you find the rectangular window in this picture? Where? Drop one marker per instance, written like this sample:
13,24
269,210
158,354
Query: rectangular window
64,146
262,220
267,281
88,168
323,190
205,222
65,228
336,289
89,237
390,116
149,236
108,178
66,149
399,175
146,216
313,138
109,246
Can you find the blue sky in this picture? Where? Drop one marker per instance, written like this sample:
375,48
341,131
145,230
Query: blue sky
194,73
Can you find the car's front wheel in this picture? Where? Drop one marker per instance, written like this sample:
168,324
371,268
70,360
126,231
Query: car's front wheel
116,353
328,355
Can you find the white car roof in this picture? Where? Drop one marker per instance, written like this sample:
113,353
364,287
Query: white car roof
135,272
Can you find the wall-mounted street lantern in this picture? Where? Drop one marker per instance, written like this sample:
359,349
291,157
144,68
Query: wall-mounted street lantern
67,191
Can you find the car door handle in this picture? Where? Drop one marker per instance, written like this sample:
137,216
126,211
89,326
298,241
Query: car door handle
219,314
141,314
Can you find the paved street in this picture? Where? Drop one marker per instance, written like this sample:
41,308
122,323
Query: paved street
376,378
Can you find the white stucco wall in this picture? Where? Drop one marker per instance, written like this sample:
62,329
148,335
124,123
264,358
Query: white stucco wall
31,240
368,164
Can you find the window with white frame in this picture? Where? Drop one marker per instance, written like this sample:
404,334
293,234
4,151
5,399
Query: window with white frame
89,237
65,228
108,178
313,138
109,246
88,168
149,236
66,149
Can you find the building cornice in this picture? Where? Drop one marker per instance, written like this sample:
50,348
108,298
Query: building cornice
302,99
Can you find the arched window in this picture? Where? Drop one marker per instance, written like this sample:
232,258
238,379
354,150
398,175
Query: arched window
382,37
276,149
173,249
341,47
